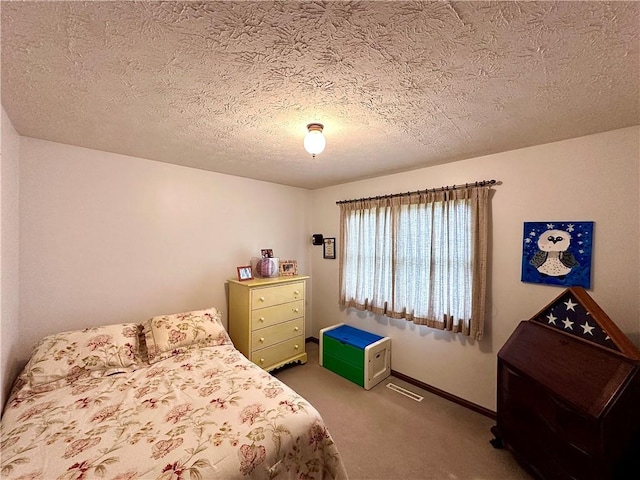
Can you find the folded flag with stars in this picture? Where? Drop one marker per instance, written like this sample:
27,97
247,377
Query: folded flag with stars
568,315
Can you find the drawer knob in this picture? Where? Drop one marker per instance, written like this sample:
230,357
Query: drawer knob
296,329
296,347
296,292
261,299
261,319
262,360
261,339
296,310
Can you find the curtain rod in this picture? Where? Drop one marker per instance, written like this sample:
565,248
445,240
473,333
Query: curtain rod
481,183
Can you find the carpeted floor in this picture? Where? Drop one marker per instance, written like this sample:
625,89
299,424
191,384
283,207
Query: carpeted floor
384,435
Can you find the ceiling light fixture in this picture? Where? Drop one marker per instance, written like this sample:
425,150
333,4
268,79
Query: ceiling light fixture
314,141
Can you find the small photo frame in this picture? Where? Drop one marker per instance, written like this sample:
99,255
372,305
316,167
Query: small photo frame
245,273
288,268
266,253
329,248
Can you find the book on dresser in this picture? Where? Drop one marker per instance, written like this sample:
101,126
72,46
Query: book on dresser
568,393
267,319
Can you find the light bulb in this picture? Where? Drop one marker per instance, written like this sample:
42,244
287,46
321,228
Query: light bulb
314,141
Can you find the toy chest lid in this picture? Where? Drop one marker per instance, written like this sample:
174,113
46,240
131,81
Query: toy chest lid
352,336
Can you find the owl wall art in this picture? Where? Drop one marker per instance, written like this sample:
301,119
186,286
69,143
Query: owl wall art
557,253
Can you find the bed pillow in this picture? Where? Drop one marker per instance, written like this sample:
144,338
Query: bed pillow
169,335
95,351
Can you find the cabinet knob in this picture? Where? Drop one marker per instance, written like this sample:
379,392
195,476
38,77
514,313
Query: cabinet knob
261,299
261,339
296,310
296,347
296,292
261,319
262,360
296,329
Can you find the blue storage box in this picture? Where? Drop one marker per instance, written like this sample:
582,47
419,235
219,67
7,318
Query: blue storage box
359,356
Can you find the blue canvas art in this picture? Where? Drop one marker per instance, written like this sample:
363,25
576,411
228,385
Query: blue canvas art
557,253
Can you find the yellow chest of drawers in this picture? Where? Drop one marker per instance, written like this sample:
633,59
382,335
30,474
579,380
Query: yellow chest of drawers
266,319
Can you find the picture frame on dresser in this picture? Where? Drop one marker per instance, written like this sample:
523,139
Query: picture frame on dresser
288,268
245,273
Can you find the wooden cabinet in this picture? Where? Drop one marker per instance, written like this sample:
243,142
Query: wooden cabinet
267,319
568,394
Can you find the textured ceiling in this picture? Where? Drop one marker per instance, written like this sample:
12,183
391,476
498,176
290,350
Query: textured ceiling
230,86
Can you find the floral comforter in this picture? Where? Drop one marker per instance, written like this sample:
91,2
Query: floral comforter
207,413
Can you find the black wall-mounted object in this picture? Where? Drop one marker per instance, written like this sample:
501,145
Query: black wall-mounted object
317,239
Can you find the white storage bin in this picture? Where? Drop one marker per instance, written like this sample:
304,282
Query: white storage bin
359,356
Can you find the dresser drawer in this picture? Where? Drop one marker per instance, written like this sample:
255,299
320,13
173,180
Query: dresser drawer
522,397
275,295
265,337
542,448
270,355
265,317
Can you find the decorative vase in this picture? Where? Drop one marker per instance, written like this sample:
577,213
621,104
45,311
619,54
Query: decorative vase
268,267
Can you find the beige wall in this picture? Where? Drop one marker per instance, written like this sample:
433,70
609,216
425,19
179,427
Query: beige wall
107,238
594,178
9,256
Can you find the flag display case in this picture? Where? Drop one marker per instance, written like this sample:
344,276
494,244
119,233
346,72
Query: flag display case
568,392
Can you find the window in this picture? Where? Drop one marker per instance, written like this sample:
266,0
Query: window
420,256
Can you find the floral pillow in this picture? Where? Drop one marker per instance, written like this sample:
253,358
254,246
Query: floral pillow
95,351
169,335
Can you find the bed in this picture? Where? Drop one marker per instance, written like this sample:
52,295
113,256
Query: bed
167,399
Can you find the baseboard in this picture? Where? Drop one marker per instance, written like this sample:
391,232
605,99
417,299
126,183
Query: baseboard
436,391
441,393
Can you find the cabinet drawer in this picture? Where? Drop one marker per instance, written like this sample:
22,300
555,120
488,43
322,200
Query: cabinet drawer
346,353
522,397
265,337
267,297
266,317
280,351
345,369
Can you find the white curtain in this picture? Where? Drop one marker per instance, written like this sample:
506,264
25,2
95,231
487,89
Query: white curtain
420,256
